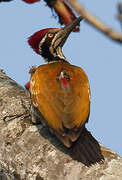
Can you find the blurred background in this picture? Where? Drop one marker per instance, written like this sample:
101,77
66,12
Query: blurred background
100,57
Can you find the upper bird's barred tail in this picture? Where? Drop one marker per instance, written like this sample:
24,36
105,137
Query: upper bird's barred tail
86,149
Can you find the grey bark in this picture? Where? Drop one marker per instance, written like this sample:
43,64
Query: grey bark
30,152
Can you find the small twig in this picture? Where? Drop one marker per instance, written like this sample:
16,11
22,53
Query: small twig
95,21
12,117
120,12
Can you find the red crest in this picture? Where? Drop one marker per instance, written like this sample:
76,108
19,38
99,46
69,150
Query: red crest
35,39
31,1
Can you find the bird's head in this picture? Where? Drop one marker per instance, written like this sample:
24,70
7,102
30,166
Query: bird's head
49,42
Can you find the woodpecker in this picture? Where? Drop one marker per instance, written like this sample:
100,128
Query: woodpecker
61,94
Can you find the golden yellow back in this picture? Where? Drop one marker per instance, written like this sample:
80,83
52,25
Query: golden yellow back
61,107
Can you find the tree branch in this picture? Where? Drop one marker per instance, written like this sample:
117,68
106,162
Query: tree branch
120,12
94,21
29,151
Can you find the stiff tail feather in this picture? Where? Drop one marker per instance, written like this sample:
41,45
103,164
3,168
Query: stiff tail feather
86,149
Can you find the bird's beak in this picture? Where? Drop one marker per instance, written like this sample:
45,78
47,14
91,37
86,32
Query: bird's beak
63,33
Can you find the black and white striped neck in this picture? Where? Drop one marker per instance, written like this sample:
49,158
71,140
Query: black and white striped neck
51,55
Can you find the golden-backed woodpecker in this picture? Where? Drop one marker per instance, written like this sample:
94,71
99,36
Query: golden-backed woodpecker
60,92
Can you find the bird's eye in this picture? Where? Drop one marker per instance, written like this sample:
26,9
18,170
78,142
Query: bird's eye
50,35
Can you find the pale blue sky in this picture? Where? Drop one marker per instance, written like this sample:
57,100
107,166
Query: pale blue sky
100,57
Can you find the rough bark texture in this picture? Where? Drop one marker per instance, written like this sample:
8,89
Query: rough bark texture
30,152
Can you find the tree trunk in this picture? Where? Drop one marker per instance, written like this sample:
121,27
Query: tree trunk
30,152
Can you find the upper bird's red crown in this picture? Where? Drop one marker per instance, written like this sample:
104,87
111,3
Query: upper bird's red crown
31,1
35,39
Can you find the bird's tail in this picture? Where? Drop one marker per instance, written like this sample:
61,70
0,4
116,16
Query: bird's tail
86,149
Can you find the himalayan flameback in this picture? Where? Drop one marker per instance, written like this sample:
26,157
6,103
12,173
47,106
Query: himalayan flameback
61,94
